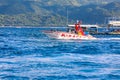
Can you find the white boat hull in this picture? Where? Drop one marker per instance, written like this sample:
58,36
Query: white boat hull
66,35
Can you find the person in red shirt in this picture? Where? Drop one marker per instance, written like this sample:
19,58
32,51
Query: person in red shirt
78,29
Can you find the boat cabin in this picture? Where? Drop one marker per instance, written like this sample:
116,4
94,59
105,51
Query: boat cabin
86,28
114,25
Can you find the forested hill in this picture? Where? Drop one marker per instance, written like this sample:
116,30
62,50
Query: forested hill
53,12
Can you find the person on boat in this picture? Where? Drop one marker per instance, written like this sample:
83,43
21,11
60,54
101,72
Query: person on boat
79,29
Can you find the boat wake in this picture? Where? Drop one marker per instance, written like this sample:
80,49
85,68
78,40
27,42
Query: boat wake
108,39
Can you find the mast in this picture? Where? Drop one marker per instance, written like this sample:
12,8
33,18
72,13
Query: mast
67,17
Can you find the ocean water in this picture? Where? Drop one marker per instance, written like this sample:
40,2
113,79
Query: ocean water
28,54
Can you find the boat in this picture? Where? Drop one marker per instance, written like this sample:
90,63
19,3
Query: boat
114,25
72,33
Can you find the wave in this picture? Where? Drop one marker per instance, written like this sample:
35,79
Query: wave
116,38
66,66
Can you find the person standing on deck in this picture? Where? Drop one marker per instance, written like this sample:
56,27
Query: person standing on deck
79,29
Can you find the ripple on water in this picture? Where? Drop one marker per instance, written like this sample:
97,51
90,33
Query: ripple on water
28,54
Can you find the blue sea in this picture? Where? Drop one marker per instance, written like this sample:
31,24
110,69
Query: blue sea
28,54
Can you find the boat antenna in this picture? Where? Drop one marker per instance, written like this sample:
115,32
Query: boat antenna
67,17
